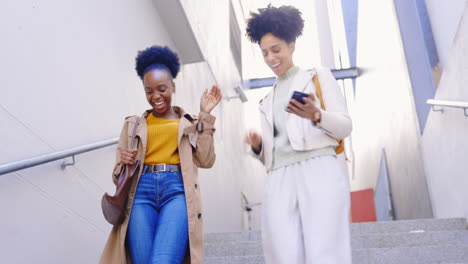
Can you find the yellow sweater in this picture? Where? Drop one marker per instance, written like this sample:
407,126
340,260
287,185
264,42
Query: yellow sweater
162,141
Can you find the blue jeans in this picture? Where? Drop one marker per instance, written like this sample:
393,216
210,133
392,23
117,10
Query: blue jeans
158,225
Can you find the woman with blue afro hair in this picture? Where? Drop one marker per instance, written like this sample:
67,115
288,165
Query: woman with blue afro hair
163,219
304,118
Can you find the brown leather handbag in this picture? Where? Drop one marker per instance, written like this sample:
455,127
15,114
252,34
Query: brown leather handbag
113,206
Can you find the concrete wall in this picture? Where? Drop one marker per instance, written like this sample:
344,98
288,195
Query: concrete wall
444,20
384,114
67,80
445,141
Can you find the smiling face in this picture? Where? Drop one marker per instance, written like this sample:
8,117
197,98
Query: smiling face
159,87
277,53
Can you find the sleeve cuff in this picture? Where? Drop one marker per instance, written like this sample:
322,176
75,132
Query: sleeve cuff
323,121
207,118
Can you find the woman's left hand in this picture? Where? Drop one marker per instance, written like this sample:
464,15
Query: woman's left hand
307,110
211,99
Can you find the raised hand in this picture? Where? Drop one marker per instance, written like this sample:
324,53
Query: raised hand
210,99
307,110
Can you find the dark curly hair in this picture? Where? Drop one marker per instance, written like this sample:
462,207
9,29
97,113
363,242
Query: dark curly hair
157,57
284,22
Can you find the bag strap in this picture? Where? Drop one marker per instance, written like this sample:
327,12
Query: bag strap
340,148
132,143
126,168
319,91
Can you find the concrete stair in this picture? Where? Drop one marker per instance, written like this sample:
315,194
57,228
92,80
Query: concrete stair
426,241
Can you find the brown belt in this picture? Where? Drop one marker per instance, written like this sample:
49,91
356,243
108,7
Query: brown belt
161,168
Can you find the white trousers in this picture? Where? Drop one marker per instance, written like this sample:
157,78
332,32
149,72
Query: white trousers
306,214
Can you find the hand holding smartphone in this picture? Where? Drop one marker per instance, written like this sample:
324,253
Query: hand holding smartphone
309,111
298,96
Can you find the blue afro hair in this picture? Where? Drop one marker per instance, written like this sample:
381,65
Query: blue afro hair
157,55
284,22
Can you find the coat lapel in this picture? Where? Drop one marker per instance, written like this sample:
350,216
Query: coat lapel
266,107
142,129
183,124
301,81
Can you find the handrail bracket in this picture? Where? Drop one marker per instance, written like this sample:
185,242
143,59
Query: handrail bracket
65,164
435,109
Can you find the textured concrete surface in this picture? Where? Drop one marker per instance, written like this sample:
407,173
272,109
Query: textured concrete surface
427,241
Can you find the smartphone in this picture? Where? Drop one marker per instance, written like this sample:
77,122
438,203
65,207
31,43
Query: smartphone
298,96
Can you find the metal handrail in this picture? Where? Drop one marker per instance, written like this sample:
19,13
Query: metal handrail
27,163
443,103
339,74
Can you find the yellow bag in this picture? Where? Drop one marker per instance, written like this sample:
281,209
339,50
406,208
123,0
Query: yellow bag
340,148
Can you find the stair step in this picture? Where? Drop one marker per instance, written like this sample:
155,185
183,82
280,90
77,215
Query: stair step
400,255
233,249
235,260
411,225
406,239
412,255
428,241
410,239
246,236
373,241
400,226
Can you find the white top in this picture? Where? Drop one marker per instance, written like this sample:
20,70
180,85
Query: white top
283,153
303,134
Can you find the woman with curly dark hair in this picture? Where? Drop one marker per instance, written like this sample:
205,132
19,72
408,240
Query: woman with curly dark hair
306,201
163,222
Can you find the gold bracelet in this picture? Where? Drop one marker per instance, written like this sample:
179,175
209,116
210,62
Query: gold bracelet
317,116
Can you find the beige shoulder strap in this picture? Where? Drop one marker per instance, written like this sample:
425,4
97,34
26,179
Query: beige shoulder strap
340,148
319,91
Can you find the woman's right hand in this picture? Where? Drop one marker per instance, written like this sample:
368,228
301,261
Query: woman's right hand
254,140
128,156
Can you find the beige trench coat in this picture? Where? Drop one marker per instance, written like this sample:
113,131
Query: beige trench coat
196,149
